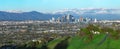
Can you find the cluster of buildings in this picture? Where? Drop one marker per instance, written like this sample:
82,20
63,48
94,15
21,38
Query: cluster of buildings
70,19
67,18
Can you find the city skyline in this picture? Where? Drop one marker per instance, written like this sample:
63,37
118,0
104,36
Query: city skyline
52,5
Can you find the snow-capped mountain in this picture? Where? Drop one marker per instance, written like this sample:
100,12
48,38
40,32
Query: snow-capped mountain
88,11
98,13
14,11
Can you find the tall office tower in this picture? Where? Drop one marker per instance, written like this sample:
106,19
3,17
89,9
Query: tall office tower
95,20
73,19
69,18
63,19
58,20
81,19
53,19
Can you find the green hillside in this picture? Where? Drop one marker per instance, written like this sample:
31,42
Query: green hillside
107,38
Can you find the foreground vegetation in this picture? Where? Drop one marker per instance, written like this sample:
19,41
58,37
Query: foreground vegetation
91,37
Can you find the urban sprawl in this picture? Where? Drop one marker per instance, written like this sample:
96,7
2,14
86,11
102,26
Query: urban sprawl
23,31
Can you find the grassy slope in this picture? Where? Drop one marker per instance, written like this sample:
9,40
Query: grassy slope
78,42
82,43
52,44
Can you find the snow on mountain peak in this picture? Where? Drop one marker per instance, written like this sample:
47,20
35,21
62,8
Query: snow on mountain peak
88,11
14,11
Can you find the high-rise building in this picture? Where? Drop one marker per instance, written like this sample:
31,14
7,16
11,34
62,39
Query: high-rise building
81,19
53,19
58,20
63,19
69,18
95,20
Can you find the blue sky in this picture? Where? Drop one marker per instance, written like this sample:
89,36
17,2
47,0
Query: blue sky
52,5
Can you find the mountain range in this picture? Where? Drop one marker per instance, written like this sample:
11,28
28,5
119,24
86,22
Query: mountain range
98,13
33,15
